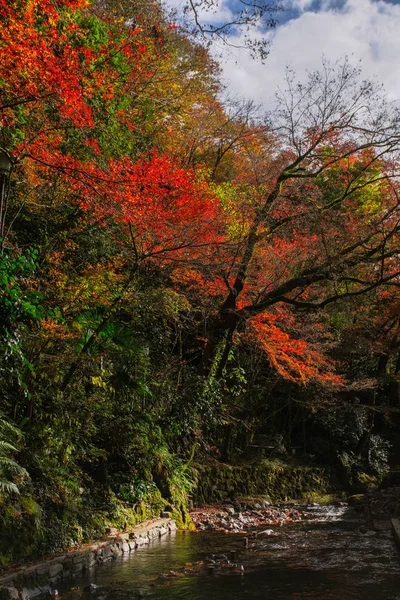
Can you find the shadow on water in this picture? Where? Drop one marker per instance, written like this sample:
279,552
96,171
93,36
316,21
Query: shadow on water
323,557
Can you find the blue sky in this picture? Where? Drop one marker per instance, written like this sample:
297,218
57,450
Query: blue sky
294,9
364,30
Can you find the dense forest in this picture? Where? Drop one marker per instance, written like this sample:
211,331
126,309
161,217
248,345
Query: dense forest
182,276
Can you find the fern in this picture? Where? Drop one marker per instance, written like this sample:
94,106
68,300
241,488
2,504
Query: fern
10,435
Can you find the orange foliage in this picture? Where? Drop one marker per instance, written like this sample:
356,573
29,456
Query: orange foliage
294,359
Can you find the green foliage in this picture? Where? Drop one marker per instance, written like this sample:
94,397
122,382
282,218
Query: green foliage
280,480
20,309
18,304
11,473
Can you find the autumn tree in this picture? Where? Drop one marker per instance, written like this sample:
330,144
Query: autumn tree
323,220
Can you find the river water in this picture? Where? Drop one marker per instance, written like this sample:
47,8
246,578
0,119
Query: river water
323,557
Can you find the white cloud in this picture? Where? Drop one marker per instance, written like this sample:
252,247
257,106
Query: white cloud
208,12
300,4
366,30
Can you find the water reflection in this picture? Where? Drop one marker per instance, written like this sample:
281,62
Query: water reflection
324,557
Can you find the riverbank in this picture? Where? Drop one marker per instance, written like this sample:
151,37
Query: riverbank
321,556
250,521
36,524
28,581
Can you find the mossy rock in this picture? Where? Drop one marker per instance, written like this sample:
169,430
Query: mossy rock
182,519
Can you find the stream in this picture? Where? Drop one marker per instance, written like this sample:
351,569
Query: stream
325,556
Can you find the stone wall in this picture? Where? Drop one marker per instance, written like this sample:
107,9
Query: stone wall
26,582
217,482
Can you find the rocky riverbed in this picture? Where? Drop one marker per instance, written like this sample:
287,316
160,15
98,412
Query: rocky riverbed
320,556
239,517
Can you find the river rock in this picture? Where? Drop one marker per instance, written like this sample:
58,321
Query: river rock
230,510
266,532
90,588
11,591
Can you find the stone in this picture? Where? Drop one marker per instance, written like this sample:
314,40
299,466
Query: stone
91,560
42,570
116,550
162,531
125,548
266,532
141,540
106,553
132,545
229,509
78,567
13,593
55,569
90,588
67,564
152,533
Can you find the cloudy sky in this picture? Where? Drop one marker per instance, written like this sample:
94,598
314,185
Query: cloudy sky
366,30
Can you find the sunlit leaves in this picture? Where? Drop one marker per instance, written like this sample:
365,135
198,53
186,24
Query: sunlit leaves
294,359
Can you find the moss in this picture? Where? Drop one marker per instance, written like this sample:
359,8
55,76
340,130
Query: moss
30,532
280,481
364,481
21,529
182,519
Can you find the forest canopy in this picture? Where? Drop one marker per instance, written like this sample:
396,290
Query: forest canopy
179,274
